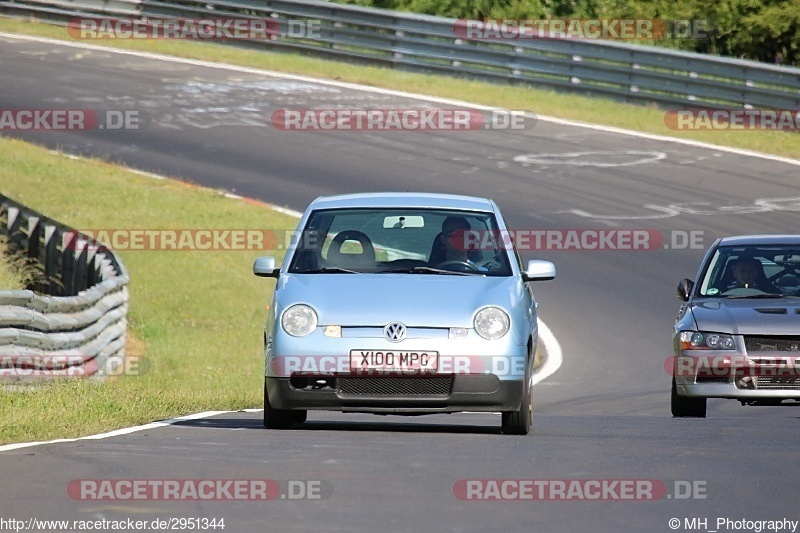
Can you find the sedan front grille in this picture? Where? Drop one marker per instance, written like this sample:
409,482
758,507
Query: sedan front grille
789,343
391,386
711,379
785,383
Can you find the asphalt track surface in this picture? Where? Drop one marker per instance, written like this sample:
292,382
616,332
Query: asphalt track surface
604,415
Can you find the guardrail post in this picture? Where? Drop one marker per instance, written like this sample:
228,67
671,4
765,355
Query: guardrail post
51,259
80,266
92,270
14,236
69,240
34,238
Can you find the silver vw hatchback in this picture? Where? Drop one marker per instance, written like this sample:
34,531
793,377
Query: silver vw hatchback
738,333
401,303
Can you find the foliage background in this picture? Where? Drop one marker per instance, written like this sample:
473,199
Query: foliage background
763,30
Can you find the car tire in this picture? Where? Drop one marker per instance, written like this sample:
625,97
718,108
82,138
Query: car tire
276,418
519,422
685,406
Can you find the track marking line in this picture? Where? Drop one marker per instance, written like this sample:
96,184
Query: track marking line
554,358
117,432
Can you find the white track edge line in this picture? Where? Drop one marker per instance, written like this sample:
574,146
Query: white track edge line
117,432
554,357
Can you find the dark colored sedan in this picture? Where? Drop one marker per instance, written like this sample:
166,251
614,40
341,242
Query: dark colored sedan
738,334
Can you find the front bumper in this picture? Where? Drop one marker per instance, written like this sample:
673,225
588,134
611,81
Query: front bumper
396,395
737,376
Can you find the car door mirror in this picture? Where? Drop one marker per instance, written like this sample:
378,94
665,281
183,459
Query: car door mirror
539,271
265,267
685,289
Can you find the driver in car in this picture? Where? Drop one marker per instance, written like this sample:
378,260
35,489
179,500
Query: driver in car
453,245
452,239
749,273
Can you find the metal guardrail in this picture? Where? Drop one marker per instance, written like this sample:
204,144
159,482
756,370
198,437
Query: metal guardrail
77,328
625,72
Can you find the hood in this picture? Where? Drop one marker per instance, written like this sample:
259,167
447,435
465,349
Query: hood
417,300
748,317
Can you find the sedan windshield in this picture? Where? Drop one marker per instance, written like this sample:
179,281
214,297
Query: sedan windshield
763,271
408,241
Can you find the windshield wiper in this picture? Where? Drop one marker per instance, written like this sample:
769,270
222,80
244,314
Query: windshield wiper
431,270
768,295
426,270
328,270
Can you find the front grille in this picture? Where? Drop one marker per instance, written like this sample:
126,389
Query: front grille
773,382
789,343
388,386
707,379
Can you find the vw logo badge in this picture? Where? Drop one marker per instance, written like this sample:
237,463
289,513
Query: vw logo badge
395,331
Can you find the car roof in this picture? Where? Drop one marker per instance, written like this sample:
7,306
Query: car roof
404,199
759,240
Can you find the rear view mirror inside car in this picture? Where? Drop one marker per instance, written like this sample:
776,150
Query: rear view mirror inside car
410,221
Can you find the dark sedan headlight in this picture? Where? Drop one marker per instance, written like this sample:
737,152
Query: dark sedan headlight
299,320
703,340
491,323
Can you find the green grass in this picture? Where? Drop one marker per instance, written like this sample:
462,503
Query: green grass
544,102
197,316
11,275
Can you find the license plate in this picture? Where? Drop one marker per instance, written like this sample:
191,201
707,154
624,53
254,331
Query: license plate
393,361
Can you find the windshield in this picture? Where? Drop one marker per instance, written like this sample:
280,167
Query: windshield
412,241
752,272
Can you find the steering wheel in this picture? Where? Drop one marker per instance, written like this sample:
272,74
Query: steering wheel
469,265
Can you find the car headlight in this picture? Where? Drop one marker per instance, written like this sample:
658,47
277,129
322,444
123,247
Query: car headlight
702,340
491,323
299,320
